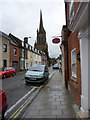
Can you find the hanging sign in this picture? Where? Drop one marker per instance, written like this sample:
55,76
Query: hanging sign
56,40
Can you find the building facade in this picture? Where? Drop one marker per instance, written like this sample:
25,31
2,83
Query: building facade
4,50
75,41
80,24
21,50
14,55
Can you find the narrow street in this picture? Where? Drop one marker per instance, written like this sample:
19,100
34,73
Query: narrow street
50,100
53,101
16,88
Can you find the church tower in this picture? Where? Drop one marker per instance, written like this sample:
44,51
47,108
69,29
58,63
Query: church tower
41,36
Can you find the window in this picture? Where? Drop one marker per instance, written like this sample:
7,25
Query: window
7,69
26,45
22,52
73,63
5,48
71,11
15,51
11,68
4,63
31,55
22,43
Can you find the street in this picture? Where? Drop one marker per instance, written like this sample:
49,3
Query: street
15,88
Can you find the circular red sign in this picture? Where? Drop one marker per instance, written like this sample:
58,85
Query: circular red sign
56,40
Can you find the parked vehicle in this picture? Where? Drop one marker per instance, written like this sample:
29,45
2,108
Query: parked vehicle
56,66
7,71
3,104
37,74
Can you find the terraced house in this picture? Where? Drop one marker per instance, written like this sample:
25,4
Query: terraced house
76,56
4,50
21,50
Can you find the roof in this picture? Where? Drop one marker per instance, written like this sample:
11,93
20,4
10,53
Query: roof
16,39
4,35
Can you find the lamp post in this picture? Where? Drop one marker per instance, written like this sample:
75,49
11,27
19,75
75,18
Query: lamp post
25,53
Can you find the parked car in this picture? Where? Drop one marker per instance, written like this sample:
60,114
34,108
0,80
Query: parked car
7,71
3,103
37,74
55,66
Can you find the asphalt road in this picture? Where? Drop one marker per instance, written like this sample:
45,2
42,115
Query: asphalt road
15,87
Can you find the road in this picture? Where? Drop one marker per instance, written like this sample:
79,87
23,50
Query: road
15,88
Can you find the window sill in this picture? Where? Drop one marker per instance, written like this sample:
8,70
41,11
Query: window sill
74,78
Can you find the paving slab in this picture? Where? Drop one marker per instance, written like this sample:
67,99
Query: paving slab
53,101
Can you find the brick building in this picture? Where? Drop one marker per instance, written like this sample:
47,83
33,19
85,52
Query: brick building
21,50
14,55
76,42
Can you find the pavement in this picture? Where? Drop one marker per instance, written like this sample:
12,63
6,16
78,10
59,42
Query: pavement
53,101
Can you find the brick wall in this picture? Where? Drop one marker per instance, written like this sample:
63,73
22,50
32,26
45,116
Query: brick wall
73,42
75,86
14,57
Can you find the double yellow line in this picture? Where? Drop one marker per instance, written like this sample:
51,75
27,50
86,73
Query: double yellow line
19,110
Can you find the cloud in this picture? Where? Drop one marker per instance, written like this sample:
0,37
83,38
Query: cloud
22,18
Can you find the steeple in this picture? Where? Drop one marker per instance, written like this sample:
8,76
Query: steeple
41,28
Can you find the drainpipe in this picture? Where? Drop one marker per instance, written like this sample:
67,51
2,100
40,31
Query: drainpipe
67,67
67,49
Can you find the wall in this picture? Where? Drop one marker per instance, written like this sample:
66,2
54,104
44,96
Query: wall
73,42
6,55
14,57
1,63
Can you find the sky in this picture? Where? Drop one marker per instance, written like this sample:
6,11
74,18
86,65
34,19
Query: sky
22,18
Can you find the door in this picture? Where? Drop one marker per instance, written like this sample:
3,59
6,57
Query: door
15,65
7,71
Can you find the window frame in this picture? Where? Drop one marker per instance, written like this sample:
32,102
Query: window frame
15,52
71,11
5,49
73,62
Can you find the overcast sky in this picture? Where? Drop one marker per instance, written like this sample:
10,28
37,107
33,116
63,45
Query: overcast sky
22,18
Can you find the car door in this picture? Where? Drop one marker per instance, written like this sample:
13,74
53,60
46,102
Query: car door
7,72
11,70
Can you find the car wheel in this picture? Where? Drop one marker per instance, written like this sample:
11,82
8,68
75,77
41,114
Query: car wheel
26,82
4,76
14,74
2,116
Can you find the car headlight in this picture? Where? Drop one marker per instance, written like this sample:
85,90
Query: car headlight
41,75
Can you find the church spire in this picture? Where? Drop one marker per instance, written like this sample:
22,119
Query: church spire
41,28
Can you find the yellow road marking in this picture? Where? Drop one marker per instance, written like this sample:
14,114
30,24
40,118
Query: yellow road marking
25,103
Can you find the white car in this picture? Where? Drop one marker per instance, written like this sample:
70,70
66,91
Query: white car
56,66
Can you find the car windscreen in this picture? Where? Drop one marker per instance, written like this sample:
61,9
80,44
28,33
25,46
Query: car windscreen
37,68
1,69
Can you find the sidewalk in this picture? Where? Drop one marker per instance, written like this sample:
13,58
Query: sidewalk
53,101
